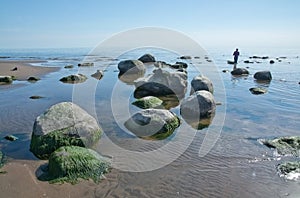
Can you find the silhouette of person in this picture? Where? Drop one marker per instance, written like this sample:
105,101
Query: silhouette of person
236,54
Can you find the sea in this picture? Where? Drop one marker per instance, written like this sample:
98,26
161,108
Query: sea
223,159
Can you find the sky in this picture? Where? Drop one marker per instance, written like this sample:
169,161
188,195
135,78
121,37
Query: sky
78,23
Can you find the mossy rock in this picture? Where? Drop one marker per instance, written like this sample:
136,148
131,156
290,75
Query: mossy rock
73,79
70,163
33,79
258,90
290,170
148,102
285,145
63,124
43,146
155,124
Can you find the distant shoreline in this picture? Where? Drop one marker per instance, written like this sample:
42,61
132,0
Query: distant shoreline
24,69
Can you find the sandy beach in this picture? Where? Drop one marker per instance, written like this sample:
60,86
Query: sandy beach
24,69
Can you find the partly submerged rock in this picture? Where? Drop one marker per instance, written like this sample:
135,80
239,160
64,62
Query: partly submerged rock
153,123
33,79
74,78
147,58
69,163
85,64
179,65
290,170
11,138
240,72
230,62
185,57
263,76
129,78
284,145
63,124
258,90
161,83
201,83
68,66
131,66
272,61
148,102
199,105
35,97
98,75
5,80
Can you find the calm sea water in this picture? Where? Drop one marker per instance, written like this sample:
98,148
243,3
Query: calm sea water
236,165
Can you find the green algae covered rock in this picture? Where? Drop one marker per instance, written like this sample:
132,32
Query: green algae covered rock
148,102
290,170
63,124
154,124
285,145
69,163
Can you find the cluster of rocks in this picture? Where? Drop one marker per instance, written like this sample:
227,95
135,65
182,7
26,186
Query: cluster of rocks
63,134
286,146
153,92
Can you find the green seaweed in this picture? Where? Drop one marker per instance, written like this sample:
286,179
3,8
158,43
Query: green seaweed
289,167
285,145
69,163
148,102
43,146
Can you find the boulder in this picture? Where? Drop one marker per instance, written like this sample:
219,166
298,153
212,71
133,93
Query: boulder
290,170
258,90
74,78
284,145
201,83
131,66
11,138
153,123
69,163
98,75
5,80
147,58
240,72
63,124
129,78
85,64
263,75
33,79
272,61
161,83
200,104
148,102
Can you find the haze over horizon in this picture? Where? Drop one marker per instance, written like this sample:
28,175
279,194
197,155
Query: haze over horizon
46,24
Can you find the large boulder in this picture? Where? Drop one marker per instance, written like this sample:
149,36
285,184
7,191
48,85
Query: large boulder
240,72
161,83
69,163
147,58
263,75
201,83
148,102
131,66
197,106
284,145
63,124
153,123
74,78
5,80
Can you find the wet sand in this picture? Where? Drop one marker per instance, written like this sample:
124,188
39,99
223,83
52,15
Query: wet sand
24,69
21,181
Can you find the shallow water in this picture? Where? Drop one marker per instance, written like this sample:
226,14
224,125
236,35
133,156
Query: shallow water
236,164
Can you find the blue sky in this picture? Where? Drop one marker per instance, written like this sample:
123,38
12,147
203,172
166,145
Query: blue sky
78,23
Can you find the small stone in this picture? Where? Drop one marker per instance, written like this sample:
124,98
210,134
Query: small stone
272,61
85,64
257,91
68,66
33,79
36,97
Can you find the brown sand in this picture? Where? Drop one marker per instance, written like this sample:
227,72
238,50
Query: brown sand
24,69
21,181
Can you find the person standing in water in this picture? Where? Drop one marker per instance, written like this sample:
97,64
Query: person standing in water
236,54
